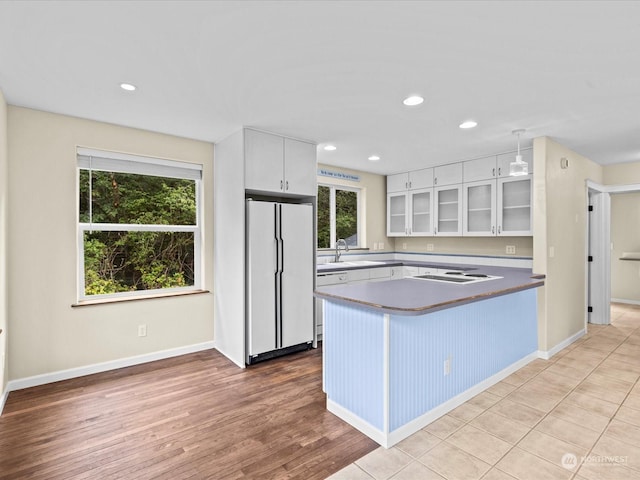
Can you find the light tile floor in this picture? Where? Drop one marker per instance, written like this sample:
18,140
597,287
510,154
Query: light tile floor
582,405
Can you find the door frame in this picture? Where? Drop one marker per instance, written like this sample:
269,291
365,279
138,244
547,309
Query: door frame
603,235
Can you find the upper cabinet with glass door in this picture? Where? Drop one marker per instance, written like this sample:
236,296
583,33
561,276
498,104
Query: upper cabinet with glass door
409,203
514,206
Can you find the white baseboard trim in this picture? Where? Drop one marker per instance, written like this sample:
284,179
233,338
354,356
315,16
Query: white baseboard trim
45,378
547,354
3,399
624,300
389,439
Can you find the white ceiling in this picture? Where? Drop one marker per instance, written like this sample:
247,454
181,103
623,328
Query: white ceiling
337,71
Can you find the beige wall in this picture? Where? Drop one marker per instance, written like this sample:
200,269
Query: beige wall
374,200
622,174
493,246
625,237
559,246
4,185
47,334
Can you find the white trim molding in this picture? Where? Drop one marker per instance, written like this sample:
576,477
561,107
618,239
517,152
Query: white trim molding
389,439
626,301
3,399
45,378
547,354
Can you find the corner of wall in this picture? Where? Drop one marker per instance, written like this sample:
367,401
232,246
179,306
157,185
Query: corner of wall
4,185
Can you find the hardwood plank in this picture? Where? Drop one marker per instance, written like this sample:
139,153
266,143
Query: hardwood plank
191,417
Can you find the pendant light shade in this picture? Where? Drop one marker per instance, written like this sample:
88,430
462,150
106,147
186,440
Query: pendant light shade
519,167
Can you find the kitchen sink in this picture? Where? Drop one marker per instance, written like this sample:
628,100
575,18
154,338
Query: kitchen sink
458,278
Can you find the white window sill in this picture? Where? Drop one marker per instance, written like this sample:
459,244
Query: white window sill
102,301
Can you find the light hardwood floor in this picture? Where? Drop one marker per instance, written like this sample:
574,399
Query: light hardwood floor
196,416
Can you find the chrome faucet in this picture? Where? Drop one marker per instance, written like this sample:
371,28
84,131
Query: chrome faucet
340,241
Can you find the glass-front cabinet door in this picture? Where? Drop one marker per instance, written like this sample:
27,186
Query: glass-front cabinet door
448,210
479,218
514,206
421,212
397,214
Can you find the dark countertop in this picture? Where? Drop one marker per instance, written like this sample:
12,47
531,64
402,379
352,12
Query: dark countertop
409,296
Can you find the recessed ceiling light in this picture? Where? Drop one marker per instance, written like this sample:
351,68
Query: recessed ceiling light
128,87
468,124
330,148
413,100
374,158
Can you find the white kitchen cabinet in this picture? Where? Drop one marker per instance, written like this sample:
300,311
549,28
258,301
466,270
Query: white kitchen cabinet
410,213
397,220
447,174
514,206
410,271
414,180
504,159
276,164
396,273
448,210
479,169
479,216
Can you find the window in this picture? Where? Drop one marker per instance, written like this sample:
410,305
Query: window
138,225
338,216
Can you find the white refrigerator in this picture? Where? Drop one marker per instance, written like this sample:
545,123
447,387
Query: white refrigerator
279,280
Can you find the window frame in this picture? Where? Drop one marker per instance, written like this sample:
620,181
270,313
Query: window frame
147,164
332,213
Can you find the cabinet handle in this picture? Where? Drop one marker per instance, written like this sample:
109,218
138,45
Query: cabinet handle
435,181
493,229
435,230
493,172
409,184
281,185
406,185
499,229
499,171
287,185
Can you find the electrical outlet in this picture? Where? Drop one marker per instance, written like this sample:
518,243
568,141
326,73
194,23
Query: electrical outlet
511,249
142,330
429,247
447,366
404,245
381,246
375,245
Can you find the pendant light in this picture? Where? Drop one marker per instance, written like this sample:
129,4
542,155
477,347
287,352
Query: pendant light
519,167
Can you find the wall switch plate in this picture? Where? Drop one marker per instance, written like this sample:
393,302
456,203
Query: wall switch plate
429,247
447,366
404,245
375,245
381,246
511,249
142,330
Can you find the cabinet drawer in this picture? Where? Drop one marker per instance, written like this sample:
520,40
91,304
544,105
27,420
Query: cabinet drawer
331,278
358,275
380,273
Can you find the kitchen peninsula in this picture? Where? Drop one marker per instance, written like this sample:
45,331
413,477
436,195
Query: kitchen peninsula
400,353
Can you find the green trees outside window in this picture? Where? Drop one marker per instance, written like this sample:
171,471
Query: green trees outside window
119,256
337,216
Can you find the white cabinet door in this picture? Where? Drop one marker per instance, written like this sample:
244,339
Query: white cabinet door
397,183
410,271
448,211
503,160
447,174
479,217
421,212
419,179
397,215
300,172
514,206
264,161
379,274
396,273
479,169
